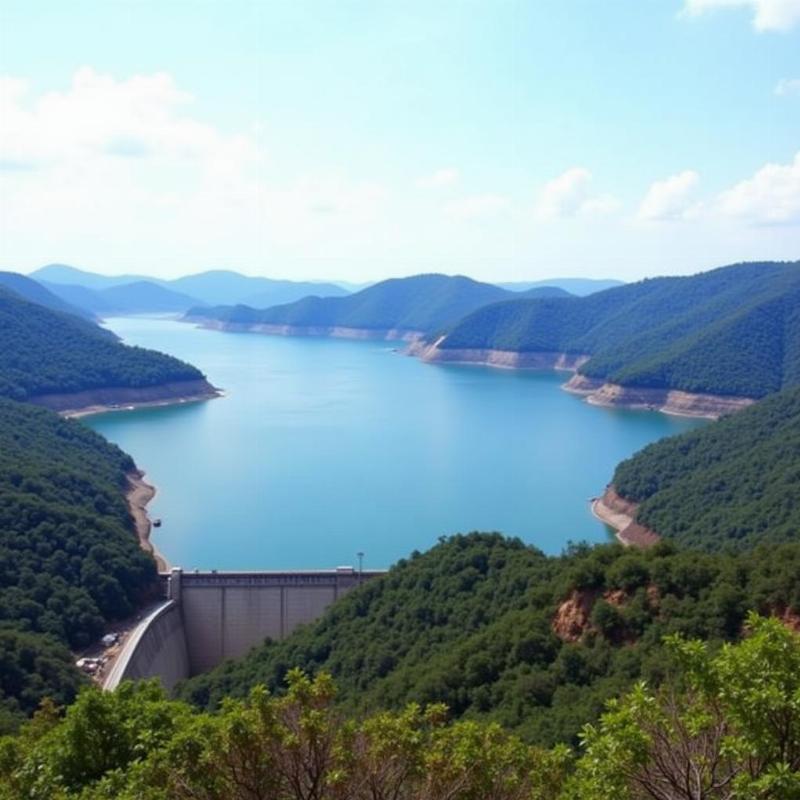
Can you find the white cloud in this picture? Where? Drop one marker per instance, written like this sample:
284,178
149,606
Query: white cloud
126,162
476,206
99,115
569,195
788,86
671,198
770,197
768,15
446,176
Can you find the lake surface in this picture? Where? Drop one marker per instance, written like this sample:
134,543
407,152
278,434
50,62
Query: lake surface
326,447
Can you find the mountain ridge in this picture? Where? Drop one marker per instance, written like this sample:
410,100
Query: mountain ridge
731,331
212,287
411,305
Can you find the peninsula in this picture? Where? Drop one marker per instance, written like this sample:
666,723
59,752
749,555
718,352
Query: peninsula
68,364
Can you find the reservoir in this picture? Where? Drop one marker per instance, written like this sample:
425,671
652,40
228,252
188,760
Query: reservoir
324,448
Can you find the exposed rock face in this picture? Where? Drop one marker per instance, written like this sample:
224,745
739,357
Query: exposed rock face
332,331
670,401
615,597
596,391
506,359
96,400
583,385
790,618
571,620
620,514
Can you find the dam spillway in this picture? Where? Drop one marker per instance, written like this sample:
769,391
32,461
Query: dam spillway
206,618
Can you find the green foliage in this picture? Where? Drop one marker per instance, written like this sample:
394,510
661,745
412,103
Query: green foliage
134,743
44,351
33,666
724,725
727,727
732,484
471,624
731,331
419,303
69,557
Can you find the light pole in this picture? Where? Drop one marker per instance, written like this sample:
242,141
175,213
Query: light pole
360,566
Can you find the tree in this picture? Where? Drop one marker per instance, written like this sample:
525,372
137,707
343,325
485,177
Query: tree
726,727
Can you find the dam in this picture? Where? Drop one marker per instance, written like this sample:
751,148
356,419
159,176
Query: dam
205,618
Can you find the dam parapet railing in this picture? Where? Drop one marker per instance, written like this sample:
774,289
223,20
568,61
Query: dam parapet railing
208,617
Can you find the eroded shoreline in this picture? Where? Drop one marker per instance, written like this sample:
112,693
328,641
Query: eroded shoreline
620,514
139,495
322,331
100,401
596,392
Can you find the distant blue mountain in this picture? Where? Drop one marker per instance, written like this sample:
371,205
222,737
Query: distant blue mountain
137,297
224,287
36,293
577,286
128,293
63,273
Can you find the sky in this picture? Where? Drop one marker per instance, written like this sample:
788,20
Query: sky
362,139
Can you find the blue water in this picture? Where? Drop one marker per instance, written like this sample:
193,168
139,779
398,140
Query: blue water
326,447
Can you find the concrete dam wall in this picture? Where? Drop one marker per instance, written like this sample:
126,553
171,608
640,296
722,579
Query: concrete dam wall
208,617
155,648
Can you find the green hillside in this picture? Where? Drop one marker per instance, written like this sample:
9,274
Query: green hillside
721,727
43,351
734,330
419,303
471,623
732,484
69,556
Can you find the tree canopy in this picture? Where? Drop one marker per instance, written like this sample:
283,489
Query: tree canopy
725,725
730,331
44,351
730,485
69,556
497,631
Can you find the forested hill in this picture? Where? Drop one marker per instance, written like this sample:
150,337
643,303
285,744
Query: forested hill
499,631
733,484
420,303
44,351
732,331
69,556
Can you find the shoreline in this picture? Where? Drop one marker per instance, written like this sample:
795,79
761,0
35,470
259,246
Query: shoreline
119,398
90,411
497,359
674,402
138,496
627,531
601,512
306,331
